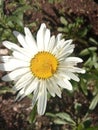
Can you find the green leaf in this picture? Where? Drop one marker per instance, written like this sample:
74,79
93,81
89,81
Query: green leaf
77,106
63,20
94,102
83,33
50,114
93,41
83,84
33,114
80,127
60,29
10,24
60,122
16,20
89,62
87,122
65,116
5,89
21,9
92,128
51,1
1,8
88,51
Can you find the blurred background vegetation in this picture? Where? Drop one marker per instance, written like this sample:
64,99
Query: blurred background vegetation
80,113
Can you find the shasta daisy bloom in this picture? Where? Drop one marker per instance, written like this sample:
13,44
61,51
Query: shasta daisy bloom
40,66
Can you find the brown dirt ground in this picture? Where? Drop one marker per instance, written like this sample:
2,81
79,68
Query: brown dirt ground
14,115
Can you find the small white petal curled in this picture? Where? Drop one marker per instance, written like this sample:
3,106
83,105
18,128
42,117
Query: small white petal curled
21,39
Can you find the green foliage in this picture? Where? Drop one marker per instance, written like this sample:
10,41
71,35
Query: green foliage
75,30
93,59
91,66
5,89
14,21
93,128
94,102
63,118
54,1
32,116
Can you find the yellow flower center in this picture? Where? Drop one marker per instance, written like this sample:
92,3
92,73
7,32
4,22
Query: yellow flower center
44,65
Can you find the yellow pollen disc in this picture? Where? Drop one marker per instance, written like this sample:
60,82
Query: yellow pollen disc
44,65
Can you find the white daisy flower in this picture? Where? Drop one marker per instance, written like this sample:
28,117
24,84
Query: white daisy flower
40,66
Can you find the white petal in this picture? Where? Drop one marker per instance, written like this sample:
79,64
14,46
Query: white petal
42,98
40,37
51,91
13,64
61,43
58,38
51,43
65,44
63,47
32,86
15,74
5,58
46,39
10,45
15,47
20,95
64,52
68,42
26,52
50,88
77,70
23,81
57,41
64,83
21,56
64,73
72,76
74,59
30,40
57,90
21,39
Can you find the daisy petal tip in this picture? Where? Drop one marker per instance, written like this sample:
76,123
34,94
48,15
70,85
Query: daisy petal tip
80,60
78,80
60,96
16,33
26,29
70,41
83,71
40,112
4,42
59,35
71,88
5,78
43,25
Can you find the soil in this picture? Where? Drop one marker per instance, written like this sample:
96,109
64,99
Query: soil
14,115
